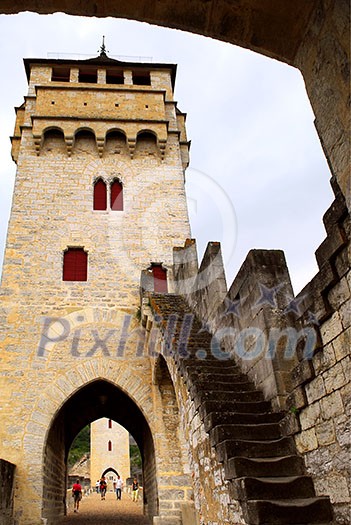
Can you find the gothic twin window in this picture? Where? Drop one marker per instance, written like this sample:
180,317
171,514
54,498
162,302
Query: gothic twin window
101,192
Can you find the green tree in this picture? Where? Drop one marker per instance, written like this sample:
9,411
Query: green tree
80,446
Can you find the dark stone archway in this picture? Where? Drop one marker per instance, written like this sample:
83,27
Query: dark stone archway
313,36
109,469
97,399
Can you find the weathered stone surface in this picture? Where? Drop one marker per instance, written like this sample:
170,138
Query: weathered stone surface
332,405
306,441
315,390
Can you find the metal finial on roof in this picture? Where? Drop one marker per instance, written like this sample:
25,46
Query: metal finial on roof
103,48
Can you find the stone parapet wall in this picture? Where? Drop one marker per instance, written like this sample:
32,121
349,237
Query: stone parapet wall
321,394
304,359
256,311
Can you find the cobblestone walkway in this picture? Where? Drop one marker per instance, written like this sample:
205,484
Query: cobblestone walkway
93,511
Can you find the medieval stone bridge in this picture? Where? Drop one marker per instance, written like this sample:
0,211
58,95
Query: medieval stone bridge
253,436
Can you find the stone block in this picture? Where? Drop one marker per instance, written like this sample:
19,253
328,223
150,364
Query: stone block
339,294
310,415
332,405
306,441
302,373
189,515
324,359
331,328
315,390
297,399
341,344
334,378
325,433
335,486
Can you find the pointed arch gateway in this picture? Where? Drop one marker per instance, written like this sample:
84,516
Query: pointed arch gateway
97,399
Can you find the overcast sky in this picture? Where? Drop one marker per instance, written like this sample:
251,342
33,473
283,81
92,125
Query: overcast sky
257,177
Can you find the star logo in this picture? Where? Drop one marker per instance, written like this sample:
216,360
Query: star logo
294,306
268,295
312,319
232,307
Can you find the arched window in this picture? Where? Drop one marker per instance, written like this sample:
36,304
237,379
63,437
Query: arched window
110,423
116,196
100,195
160,278
109,446
75,265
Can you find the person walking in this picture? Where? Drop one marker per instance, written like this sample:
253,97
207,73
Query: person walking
103,487
119,486
135,489
77,495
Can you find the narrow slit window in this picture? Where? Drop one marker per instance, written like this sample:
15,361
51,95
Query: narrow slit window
75,265
100,195
116,196
110,423
109,446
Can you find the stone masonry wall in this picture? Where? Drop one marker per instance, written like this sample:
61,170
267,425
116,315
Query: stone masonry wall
254,311
58,336
321,393
324,60
299,353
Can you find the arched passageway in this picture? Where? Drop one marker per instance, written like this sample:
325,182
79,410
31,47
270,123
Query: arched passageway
93,401
109,469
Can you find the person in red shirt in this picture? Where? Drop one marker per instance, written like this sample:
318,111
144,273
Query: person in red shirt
77,495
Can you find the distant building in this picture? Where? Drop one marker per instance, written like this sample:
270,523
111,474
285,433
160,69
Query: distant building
109,451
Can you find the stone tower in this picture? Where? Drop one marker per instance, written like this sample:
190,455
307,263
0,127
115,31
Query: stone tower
109,451
101,150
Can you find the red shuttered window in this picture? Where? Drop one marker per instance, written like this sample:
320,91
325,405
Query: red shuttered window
100,195
116,196
160,278
75,265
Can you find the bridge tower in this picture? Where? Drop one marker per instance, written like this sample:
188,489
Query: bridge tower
101,151
109,451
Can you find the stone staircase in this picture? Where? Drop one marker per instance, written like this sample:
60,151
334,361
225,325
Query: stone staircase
261,464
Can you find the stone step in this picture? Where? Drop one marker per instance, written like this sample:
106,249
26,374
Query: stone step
227,397
311,511
236,418
263,431
210,364
238,467
214,378
231,448
236,388
293,487
208,406
217,367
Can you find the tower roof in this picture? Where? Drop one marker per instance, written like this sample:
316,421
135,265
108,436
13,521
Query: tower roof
100,60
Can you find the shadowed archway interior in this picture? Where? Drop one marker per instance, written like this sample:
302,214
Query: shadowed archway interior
109,469
96,400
